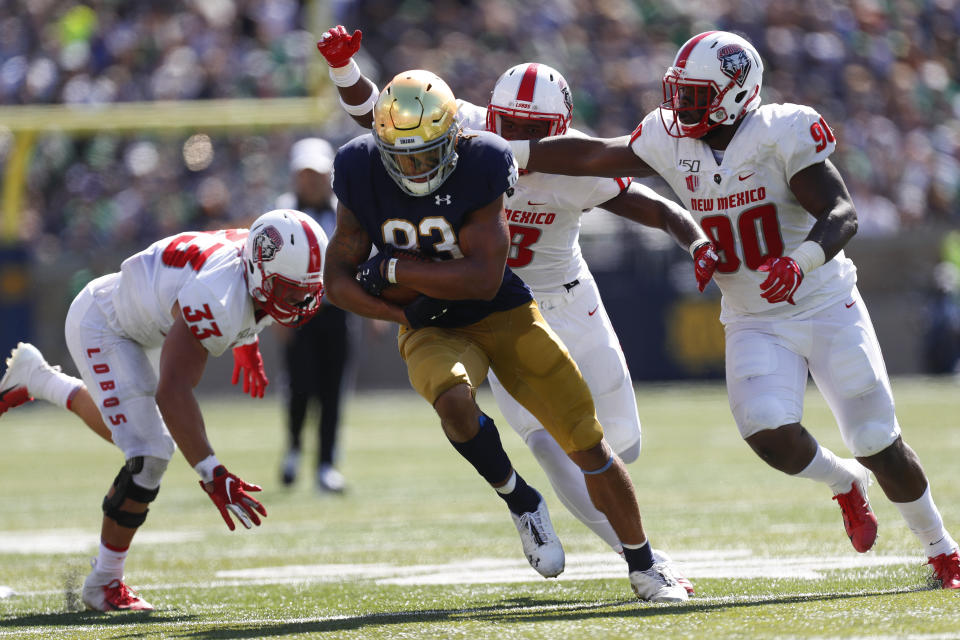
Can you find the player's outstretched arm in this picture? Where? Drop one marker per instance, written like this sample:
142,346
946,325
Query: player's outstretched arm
484,241
347,248
357,92
580,156
645,206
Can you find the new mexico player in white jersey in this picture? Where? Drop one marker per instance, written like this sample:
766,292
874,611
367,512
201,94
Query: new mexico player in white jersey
140,339
531,101
762,186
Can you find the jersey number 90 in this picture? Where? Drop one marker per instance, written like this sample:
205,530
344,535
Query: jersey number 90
760,237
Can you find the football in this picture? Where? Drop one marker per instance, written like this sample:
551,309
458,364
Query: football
397,293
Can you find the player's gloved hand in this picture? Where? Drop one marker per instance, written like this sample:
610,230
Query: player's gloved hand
230,495
705,263
425,311
338,46
372,274
248,361
784,279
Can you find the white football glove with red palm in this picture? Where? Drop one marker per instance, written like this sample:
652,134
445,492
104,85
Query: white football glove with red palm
229,494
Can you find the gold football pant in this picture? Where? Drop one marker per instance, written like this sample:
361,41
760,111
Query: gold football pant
528,358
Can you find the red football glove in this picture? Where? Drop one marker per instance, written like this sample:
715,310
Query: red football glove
247,360
337,46
704,264
784,279
229,493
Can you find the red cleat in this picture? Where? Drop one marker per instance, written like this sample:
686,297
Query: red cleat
946,570
115,596
13,397
858,519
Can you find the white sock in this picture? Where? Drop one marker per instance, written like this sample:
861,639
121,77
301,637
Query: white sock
110,561
925,522
826,467
53,385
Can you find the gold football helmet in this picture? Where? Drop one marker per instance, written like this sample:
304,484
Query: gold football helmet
415,126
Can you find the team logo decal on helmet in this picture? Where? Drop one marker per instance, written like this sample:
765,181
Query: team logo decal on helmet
734,62
267,243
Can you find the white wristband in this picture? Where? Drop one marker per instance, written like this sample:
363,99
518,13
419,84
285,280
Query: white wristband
364,107
809,255
206,466
696,244
392,270
347,75
521,152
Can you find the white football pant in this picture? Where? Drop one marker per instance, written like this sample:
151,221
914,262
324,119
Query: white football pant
119,373
767,363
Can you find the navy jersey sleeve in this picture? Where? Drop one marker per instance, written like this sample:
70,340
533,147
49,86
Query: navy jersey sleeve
489,162
352,171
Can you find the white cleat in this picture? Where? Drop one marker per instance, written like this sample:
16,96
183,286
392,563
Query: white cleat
24,362
657,584
669,566
329,479
540,542
107,593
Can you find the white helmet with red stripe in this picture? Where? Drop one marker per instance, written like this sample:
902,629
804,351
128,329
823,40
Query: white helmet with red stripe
283,261
715,79
531,91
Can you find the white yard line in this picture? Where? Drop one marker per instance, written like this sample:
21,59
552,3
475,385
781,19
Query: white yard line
726,564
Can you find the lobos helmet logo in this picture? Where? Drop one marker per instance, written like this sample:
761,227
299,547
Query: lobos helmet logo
734,59
267,243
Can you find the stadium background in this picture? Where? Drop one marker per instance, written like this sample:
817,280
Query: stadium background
125,121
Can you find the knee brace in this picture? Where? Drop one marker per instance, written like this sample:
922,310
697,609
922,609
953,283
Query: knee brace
129,484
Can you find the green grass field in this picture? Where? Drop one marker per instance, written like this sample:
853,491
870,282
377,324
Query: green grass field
419,547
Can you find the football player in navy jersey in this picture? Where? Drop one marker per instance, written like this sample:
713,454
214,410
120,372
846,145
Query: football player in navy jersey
418,183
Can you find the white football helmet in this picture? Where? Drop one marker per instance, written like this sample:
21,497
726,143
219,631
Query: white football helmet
283,260
715,79
415,128
531,91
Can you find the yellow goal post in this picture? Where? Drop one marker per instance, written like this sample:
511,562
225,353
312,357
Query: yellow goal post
23,124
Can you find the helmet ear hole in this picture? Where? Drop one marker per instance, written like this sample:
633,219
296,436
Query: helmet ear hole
740,96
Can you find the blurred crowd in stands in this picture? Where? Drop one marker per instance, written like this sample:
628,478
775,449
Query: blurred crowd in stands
884,73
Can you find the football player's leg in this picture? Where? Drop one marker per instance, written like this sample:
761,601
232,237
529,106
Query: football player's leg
849,370
766,380
565,477
445,368
120,381
537,370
